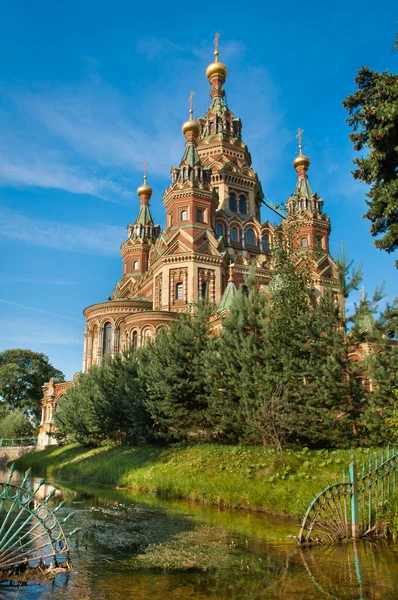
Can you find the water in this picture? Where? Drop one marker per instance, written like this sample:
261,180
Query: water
141,547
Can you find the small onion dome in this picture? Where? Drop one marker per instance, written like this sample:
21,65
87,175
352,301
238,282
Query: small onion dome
144,189
301,161
216,68
191,125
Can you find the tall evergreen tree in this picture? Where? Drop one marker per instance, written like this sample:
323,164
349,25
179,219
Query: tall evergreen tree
173,375
233,360
373,111
106,403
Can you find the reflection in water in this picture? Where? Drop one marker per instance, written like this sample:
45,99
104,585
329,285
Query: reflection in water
142,547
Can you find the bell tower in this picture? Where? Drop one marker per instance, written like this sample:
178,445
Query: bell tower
221,148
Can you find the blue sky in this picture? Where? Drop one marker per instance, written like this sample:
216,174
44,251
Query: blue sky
91,89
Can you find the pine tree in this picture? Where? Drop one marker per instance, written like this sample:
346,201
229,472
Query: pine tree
106,403
373,111
233,361
173,375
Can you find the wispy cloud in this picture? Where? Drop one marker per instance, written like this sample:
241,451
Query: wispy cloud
101,239
39,280
39,310
92,138
29,332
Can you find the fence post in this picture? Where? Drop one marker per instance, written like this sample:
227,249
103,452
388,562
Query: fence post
354,499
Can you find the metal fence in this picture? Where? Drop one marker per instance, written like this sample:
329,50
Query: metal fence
18,442
350,508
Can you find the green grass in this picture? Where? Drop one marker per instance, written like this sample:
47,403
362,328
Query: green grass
230,476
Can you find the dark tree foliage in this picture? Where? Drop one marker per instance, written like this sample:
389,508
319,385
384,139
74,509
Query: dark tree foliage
233,361
106,404
16,425
173,376
22,374
382,370
373,111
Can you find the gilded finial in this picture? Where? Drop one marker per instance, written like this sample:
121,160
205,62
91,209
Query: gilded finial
301,160
299,137
216,52
230,267
191,126
144,189
190,100
216,67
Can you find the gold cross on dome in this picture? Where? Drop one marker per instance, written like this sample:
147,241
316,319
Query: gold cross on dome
216,45
190,100
299,136
230,266
145,166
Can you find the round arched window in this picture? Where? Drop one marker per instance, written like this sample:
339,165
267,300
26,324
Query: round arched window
106,346
304,243
179,291
232,202
250,237
234,234
219,229
266,241
242,205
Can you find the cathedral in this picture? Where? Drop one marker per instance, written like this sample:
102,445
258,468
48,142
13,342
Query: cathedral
213,233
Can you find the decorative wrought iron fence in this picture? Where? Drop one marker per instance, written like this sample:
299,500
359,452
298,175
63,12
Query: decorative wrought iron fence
351,507
18,442
30,531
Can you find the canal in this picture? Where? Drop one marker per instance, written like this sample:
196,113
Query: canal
142,547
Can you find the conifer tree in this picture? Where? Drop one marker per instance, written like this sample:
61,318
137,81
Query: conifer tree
233,360
173,375
373,117
106,403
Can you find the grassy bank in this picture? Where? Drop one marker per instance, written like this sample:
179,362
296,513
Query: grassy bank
234,476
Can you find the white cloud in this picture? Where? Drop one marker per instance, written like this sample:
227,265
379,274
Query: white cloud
101,239
39,280
39,310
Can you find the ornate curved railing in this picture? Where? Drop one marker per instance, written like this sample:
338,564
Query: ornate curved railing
350,508
30,531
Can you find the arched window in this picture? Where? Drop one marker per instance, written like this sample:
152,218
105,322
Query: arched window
199,215
95,345
134,342
304,243
250,237
219,229
135,265
234,234
184,215
106,346
147,336
266,241
203,290
179,291
242,205
232,202
245,290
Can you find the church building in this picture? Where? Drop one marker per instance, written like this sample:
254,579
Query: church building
213,234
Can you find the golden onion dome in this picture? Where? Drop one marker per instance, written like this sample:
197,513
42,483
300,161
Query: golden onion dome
144,189
191,125
301,161
216,68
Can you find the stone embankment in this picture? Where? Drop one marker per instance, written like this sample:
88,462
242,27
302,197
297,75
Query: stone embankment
9,454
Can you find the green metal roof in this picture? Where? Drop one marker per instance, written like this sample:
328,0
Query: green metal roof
228,297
